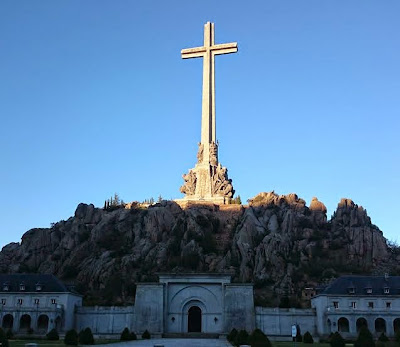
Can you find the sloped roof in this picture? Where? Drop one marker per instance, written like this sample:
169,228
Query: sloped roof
360,284
48,282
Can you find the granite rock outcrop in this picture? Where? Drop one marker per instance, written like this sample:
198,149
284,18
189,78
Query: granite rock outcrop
276,242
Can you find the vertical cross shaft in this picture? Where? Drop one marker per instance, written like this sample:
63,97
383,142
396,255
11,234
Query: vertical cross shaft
208,52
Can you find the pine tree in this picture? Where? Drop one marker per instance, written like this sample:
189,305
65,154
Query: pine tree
159,198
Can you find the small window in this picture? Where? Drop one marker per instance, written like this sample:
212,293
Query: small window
370,304
38,287
353,304
352,290
336,304
388,304
6,287
22,287
3,301
36,301
386,290
20,301
369,290
53,301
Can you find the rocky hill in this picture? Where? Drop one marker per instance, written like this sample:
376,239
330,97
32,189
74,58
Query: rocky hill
276,242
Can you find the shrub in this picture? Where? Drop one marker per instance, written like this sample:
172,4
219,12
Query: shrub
126,335
242,338
397,336
9,334
3,338
232,335
259,339
71,338
146,335
337,340
307,338
364,338
383,338
86,337
52,335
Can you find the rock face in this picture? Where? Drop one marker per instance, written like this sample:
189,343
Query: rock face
277,242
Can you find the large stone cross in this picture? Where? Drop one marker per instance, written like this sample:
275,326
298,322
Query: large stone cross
208,180
208,53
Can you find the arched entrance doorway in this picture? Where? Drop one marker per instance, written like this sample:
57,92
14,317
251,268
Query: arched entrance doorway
361,322
8,321
25,322
194,319
43,323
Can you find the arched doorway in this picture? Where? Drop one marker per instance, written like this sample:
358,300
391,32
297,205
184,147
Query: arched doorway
361,322
43,323
194,319
343,325
25,322
396,325
380,325
8,321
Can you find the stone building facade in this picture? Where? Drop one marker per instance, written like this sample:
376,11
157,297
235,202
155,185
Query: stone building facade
36,303
201,303
353,301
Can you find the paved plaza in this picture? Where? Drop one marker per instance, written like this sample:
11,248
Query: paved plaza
174,343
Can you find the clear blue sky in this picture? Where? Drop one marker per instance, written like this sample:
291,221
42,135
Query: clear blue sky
95,99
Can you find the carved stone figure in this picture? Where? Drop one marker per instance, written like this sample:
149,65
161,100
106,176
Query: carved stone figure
221,185
189,187
200,153
213,154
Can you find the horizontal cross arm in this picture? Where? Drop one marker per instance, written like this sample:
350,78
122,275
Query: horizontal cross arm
193,52
225,48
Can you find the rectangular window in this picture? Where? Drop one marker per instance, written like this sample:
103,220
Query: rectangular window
353,304
19,301
386,290
369,290
22,287
36,301
388,305
3,301
53,301
370,304
336,304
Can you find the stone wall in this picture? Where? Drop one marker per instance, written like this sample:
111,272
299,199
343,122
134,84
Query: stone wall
239,307
149,308
279,321
105,319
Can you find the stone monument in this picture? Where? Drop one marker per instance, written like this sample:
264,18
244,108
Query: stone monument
208,181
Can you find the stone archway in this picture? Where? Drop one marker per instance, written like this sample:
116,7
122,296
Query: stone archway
380,325
43,323
194,319
8,321
361,322
25,322
396,325
343,325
